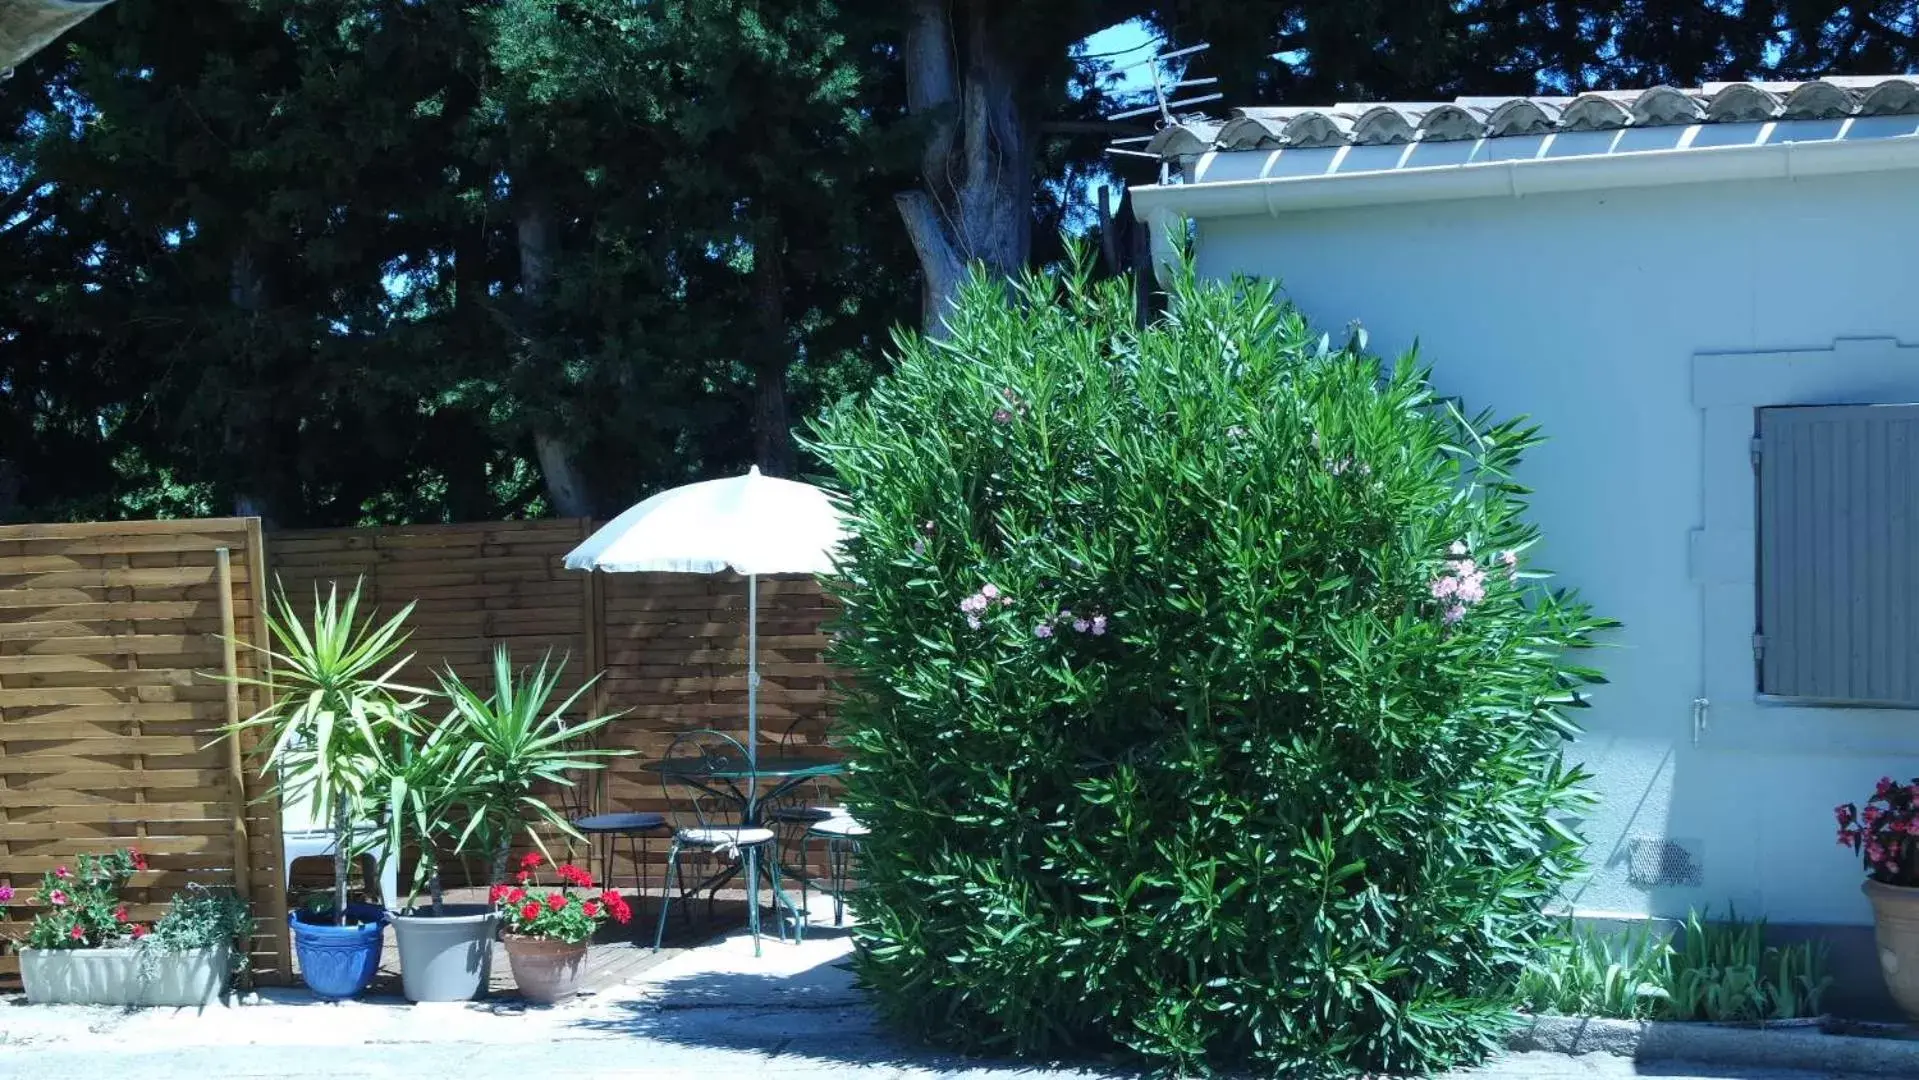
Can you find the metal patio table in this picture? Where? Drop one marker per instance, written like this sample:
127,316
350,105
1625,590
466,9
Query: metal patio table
740,784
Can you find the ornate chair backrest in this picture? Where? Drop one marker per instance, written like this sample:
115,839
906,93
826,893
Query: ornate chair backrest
705,777
575,798
797,741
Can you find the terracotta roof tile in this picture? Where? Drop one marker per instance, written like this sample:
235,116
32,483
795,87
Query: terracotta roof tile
1379,124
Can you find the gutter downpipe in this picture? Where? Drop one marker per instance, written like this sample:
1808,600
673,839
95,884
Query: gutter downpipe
1167,206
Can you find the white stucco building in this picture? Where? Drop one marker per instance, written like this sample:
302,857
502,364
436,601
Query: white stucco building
1650,275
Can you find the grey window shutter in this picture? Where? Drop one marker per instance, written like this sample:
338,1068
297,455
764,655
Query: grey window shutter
1838,491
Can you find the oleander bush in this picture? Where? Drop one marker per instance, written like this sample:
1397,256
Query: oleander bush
1204,703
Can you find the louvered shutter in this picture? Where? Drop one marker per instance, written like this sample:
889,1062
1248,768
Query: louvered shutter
1838,490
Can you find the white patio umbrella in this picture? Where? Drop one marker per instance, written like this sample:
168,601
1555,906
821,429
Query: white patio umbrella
749,524
27,26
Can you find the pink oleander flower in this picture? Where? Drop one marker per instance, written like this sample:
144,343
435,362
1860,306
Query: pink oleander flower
1063,616
989,591
1458,549
1081,625
1043,630
972,622
58,898
1099,625
1454,613
62,873
1885,788
1444,586
1472,588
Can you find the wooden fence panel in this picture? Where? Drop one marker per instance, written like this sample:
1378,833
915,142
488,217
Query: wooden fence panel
112,645
672,647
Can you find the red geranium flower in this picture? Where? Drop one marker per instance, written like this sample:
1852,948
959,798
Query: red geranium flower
139,931
617,906
556,901
592,909
139,860
573,875
532,860
77,934
530,912
514,896
494,894
120,913
523,876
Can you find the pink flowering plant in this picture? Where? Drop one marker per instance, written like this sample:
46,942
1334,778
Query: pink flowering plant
1885,832
1185,640
80,906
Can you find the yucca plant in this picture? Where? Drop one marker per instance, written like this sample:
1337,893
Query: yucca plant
336,715
507,747
422,794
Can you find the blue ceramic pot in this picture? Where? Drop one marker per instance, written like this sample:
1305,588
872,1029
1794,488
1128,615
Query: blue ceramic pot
338,962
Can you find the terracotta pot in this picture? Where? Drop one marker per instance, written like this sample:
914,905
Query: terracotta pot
1895,923
546,970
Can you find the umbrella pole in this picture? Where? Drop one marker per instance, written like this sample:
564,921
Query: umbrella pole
752,670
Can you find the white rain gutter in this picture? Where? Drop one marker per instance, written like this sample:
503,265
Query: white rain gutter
1163,206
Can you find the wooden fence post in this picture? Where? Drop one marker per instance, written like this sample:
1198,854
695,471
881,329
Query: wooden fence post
282,933
236,764
595,626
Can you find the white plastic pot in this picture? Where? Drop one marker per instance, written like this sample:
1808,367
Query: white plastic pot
195,977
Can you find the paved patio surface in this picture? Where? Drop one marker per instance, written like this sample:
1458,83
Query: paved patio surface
713,1013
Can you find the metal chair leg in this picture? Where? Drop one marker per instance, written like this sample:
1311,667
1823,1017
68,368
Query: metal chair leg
666,894
753,895
806,903
782,907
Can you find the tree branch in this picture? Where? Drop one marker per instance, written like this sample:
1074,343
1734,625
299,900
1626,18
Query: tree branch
939,259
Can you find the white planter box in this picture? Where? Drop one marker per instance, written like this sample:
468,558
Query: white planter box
112,976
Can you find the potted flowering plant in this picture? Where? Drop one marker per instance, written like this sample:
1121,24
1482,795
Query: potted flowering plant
83,948
471,785
547,929
1885,833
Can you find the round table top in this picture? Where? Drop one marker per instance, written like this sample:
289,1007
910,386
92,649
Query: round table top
772,768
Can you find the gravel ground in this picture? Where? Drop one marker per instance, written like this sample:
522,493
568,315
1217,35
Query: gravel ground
712,1013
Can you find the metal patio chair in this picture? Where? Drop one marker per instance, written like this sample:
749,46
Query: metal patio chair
715,785
604,831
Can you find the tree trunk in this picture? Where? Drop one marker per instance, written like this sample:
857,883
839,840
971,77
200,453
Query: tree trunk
772,419
247,290
538,241
975,200
342,840
11,484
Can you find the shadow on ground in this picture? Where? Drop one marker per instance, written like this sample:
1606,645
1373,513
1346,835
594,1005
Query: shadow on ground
797,1004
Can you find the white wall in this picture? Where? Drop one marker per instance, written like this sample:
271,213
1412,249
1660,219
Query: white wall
1589,312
